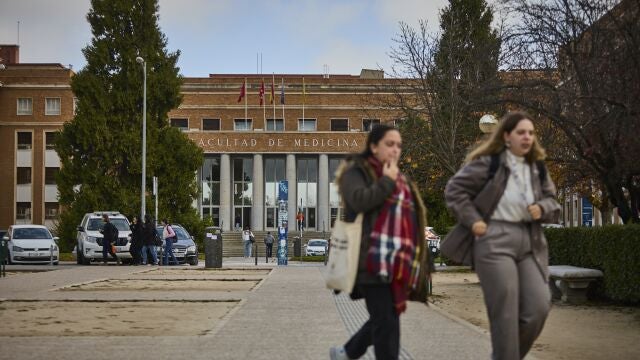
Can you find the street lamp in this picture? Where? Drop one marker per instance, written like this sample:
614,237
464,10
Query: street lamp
487,123
140,60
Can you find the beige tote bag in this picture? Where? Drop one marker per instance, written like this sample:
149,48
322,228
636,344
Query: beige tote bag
344,253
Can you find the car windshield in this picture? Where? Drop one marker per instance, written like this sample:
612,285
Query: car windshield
97,224
31,233
317,243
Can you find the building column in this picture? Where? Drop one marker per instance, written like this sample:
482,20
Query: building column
292,206
257,210
225,192
323,193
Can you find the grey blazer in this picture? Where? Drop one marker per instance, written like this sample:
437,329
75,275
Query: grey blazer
471,198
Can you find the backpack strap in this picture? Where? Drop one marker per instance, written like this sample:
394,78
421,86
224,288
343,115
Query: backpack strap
542,171
493,166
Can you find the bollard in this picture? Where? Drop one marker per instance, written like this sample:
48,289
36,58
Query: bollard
51,255
255,252
213,248
4,258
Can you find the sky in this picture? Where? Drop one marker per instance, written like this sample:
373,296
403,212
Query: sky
224,36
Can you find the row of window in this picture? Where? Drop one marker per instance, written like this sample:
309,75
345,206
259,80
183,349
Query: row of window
274,124
52,106
25,140
23,211
23,175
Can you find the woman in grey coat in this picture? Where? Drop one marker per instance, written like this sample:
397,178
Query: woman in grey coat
392,267
500,198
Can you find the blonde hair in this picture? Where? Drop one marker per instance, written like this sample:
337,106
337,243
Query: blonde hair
495,144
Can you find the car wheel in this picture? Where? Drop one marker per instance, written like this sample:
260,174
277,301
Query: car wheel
193,262
56,263
84,260
78,257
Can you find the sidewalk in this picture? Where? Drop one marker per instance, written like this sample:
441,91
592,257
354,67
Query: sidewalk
289,315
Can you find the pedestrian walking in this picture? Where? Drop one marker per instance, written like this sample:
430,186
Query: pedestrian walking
149,236
268,243
392,249
247,241
500,197
169,236
109,239
300,220
135,247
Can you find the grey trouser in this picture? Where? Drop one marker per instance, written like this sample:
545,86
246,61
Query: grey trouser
515,292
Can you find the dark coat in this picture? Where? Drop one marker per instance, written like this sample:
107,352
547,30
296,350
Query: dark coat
149,234
472,197
363,192
136,235
110,234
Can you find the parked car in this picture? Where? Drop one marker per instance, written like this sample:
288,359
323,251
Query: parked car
185,250
433,240
89,237
31,244
315,247
552,226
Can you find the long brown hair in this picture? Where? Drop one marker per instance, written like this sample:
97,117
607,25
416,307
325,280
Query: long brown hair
495,144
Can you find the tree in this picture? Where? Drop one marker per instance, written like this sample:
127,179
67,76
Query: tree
446,83
100,149
593,48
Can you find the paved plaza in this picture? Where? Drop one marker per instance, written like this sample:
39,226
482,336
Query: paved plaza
242,311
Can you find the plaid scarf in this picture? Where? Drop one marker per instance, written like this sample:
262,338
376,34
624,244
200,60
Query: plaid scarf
392,248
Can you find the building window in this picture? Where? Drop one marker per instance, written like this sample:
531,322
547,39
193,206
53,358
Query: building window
23,211
182,124
396,122
52,106
306,124
25,106
50,140
23,176
334,194
274,172
210,184
50,175
242,192
275,125
242,124
211,124
307,190
24,141
368,124
51,210
339,124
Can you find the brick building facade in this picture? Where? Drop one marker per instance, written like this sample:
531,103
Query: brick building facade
323,118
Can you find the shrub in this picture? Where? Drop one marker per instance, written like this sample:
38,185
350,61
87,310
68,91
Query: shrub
615,250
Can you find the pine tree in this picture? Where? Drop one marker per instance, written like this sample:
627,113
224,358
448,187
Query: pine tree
100,149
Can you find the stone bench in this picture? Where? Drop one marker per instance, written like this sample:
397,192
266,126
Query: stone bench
570,283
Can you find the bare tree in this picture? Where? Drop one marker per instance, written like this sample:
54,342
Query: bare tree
590,90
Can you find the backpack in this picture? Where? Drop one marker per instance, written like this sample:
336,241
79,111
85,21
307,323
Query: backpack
495,163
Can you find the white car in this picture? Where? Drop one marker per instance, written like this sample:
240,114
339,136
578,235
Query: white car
89,237
315,247
31,244
432,238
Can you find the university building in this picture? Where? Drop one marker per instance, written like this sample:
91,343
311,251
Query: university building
305,126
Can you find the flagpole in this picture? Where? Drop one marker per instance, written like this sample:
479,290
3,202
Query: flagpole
264,105
303,100
281,97
246,95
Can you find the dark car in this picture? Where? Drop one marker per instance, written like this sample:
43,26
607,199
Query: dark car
185,250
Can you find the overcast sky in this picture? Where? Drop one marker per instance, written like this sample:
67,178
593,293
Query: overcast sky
223,36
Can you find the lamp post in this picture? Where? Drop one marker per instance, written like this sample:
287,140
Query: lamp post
487,123
140,60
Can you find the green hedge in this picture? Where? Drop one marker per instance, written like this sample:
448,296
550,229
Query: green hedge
613,249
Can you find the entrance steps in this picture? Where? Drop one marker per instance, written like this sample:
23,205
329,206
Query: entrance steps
232,241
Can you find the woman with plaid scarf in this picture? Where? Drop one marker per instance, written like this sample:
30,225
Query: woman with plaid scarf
392,267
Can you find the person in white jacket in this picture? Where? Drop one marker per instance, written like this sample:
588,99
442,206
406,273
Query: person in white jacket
247,241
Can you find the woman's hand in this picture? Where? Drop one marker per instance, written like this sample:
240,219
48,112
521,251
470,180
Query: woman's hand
390,169
536,211
479,228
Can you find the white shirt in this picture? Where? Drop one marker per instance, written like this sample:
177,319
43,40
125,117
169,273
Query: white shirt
246,234
512,205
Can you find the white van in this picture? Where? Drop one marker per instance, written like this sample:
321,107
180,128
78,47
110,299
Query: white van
89,237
